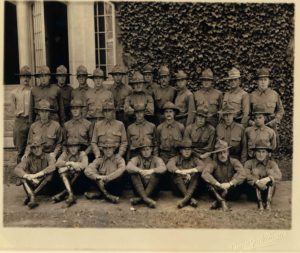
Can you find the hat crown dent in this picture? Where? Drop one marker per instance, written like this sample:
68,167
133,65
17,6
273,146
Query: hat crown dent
44,70
44,104
118,69
108,106
261,144
137,77
185,143
73,140
148,68
207,73
81,70
25,70
170,105
228,108
61,70
164,70
139,107
145,142
220,145
181,74
259,108
263,72
98,72
76,102
37,141
234,73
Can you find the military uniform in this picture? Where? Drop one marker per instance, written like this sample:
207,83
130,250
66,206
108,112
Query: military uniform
51,93
145,184
212,97
223,178
186,183
149,87
20,100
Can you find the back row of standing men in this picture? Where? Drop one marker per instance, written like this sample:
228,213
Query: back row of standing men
179,114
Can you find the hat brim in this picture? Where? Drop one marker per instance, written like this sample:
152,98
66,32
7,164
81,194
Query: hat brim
144,146
264,113
118,72
18,74
73,144
232,78
62,74
207,78
227,112
92,77
44,74
108,146
201,114
266,148
74,106
135,82
37,145
220,150
262,76
44,109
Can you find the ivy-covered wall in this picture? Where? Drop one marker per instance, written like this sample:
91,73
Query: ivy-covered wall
194,36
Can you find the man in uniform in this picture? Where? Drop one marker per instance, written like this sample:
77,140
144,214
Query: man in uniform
106,171
264,95
150,86
47,129
263,174
20,100
233,133
184,100
163,93
210,96
47,91
65,89
169,133
223,175
185,168
109,128
138,97
145,171
35,171
120,91
96,97
237,97
259,131
80,91
70,163
140,129
201,133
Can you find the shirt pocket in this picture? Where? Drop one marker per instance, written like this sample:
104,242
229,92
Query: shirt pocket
271,106
51,138
235,141
204,137
116,135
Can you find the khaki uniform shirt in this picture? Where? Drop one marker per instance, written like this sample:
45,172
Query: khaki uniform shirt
80,159
112,167
51,93
80,93
203,138
180,163
258,170
66,92
95,98
138,163
253,134
185,102
163,95
20,101
112,129
231,171
120,92
149,88
139,98
234,135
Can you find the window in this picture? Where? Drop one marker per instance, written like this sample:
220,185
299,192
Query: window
105,35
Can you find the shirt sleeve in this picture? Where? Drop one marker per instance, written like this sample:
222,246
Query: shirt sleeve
124,142
13,106
150,105
273,139
155,141
240,173
211,140
243,147
208,171
61,161
90,136
132,166
191,109
127,108
274,172
171,165
200,165
20,169
160,166
279,109
187,133
121,167
92,169
246,109
31,108
251,179
58,147
51,165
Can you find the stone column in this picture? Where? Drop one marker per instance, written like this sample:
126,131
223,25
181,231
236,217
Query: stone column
81,36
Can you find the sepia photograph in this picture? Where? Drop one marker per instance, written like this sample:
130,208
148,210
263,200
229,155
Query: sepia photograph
161,115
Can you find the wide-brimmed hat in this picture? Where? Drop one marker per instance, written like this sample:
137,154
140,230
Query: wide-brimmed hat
98,72
25,71
202,111
139,107
164,70
81,71
76,103
185,143
36,142
118,69
259,109
43,70
137,77
228,109
207,74
144,142
108,106
108,143
147,69
72,141
170,105
263,72
44,105
234,73
62,71
221,146
261,144
181,75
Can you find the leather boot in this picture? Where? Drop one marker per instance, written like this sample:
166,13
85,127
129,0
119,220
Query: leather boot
271,190
70,200
92,195
268,205
59,197
189,193
111,198
135,201
224,206
193,202
152,185
178,181
31,203
259,200
138,185
219,200
260,206
215,205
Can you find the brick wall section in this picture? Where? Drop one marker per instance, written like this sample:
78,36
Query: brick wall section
9,163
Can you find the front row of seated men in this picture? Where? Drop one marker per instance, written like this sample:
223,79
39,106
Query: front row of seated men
222,174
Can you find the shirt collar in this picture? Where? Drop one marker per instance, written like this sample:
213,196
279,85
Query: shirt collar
266,91
180,92
83,87
172,124
264,162
141,122
46,123
236,90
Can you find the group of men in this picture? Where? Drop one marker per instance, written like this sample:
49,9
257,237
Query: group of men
146,129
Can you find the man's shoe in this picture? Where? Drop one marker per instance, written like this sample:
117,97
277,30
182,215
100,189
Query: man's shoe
26,201
215,205
150,202
32,204
70,200
182,203
260,206
58,197
135,201
268,206
193,202
92,195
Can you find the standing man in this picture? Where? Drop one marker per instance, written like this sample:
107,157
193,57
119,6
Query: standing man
185,168
20,100
184,100
109,128
150,86
65,89
80,91
169,133
145,171
46,129
223,175
49,92
237,97
233,133
96,97
269,98
259,131
208,94
264,174
163,93
138,97
120,91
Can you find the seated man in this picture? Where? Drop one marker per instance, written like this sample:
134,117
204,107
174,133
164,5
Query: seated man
185,168
145,171
264,173
106,171
35,171
70,163
223,175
